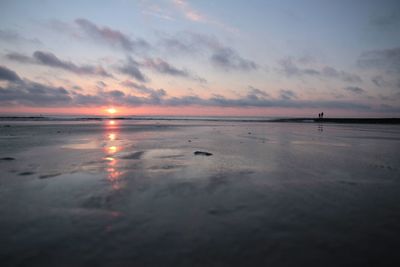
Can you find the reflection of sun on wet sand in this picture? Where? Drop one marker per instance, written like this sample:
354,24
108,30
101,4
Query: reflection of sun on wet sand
112,136
113,174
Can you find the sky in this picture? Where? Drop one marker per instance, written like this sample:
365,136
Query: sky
200,57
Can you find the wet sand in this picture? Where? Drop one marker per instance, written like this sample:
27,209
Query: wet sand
135,193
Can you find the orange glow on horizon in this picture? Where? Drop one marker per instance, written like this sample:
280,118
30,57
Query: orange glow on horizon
187,111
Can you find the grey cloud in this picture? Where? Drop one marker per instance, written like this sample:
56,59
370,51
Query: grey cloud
387,21
28,93
389,108
76,87
379,81
354,89
164,67
51,60
20,58
161,66
116,94
190,43
131,68
220,101
14,37
220,55
142,89
34,94
290,68
306,59
228,59
342,75
112,37
287,94
387,60
101,84
255,93
8,75
89,100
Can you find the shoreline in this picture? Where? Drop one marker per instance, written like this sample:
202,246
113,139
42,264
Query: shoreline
343,120
212,119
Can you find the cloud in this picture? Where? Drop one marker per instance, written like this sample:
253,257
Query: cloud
10,36
256,94
354,89
116,94
227,59
24,92
220,56
142,89
387,60
341,75
131,68
8,75
390,20
196,16
101,84
379,81
28,93
161,66
21,58
111,37
155,10
189,12
289,68
51,60
287,94
164,67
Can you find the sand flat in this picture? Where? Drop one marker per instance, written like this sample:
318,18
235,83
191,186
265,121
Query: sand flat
278,194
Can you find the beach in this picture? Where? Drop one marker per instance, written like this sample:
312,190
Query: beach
134,193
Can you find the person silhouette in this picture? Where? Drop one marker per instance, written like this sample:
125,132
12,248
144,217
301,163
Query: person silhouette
322,115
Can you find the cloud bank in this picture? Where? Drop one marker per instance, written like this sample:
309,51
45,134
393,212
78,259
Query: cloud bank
24,92
51,60
111,37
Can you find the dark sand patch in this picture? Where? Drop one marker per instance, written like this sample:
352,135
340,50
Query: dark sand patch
165,167
7,159
136,155
202,153
50,175
26,173
172,156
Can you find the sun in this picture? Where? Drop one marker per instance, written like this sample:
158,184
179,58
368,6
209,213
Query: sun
111,110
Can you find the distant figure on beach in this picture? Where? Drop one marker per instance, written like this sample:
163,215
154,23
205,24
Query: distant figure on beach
319,115
322,115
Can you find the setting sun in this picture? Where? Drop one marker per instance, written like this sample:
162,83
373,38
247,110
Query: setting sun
111,110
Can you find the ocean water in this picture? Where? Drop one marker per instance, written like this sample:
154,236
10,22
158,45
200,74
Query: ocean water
108,192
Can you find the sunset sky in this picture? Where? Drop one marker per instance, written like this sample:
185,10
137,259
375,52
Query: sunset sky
199,57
